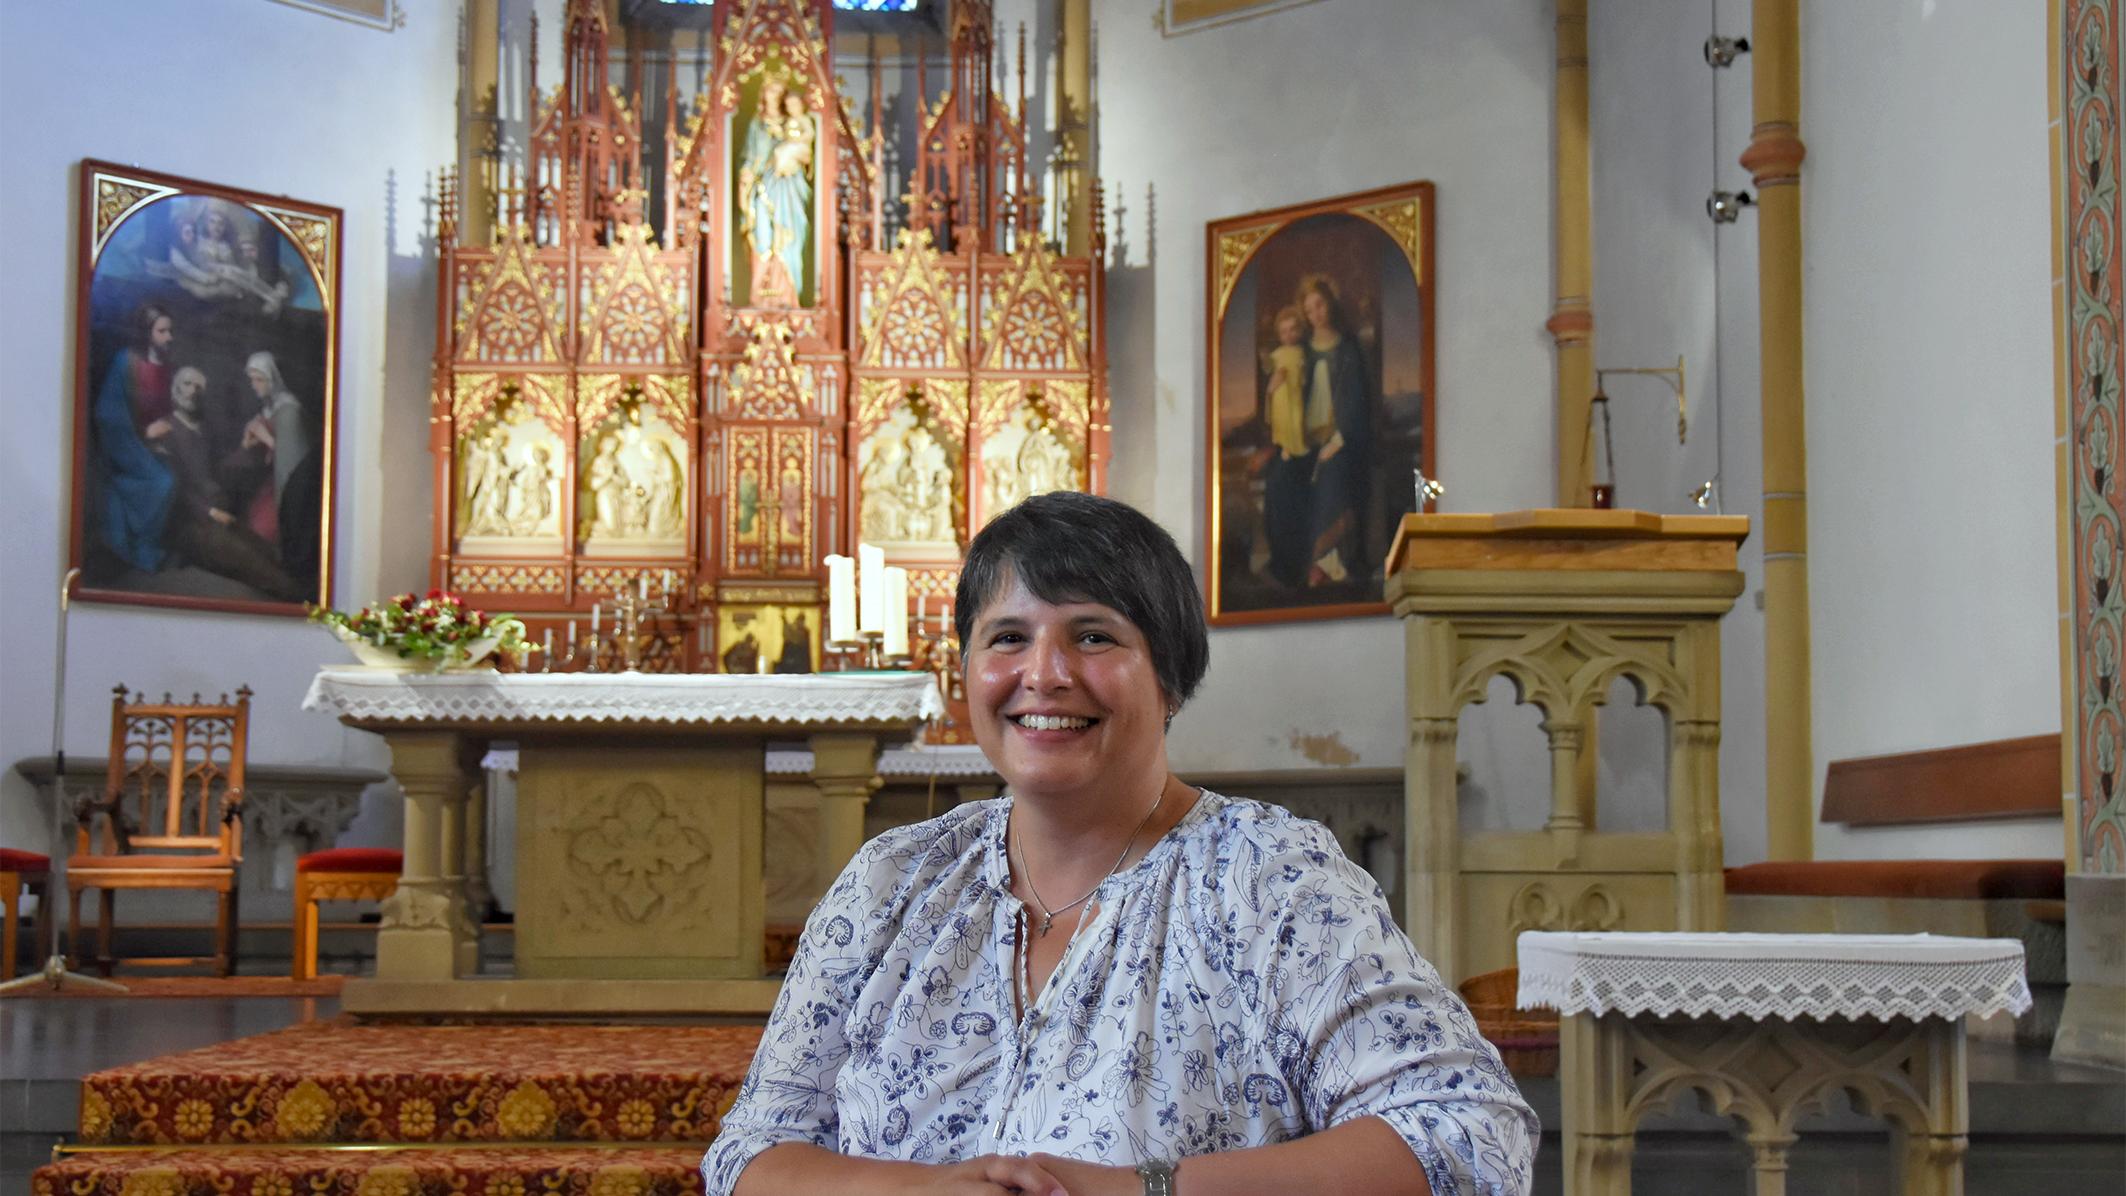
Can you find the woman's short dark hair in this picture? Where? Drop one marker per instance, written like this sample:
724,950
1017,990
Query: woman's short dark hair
1071,547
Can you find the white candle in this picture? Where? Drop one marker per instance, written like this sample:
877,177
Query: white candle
595,608
870,588
922,613
841,599
761,665
571,637
667,587
896,603
549,643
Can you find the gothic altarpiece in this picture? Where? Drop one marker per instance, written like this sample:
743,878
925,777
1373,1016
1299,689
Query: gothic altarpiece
711,408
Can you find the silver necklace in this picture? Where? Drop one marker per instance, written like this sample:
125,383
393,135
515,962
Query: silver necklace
1048,916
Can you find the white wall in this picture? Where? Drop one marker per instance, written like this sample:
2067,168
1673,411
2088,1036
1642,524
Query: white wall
1927,223
273,99
1298,105
1929,375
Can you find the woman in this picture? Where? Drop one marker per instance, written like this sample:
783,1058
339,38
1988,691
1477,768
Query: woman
1339,431
1156,988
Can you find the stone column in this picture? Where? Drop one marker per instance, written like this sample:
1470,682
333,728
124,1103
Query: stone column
1431,835
479,122
425,933
1567,822
1768,1162
1694,818
1594,1101
1774,162
845,770
1074,166
1571,324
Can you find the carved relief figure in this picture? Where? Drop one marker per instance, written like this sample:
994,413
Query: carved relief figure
1026,458
531,498
927,483
880,466
481,471
775,194
607,482
665,495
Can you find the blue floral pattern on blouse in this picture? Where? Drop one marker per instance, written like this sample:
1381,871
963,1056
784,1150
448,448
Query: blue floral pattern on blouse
1242,984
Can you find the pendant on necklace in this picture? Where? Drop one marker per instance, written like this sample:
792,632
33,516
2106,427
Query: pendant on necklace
1048,922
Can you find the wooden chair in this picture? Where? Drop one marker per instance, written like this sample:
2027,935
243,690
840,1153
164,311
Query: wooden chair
20,870
337,874
171,816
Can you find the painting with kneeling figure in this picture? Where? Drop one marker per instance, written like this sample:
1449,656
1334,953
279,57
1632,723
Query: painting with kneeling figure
204,404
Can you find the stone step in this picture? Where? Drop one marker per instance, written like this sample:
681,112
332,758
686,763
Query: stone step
535,1169
343,1083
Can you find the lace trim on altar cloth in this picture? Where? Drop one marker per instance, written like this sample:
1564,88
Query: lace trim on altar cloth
1786,976
609,697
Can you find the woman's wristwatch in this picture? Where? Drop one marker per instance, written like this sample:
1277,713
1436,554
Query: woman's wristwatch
1158,1177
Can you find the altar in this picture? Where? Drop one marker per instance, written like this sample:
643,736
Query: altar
639,827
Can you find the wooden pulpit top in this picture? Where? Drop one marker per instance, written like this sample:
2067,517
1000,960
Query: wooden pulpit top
1568,539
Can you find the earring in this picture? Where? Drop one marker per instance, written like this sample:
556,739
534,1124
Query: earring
1171,711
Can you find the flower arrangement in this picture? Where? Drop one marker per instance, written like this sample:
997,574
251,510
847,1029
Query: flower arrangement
436,632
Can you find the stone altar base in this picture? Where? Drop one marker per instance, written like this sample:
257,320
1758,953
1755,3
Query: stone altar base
345,1108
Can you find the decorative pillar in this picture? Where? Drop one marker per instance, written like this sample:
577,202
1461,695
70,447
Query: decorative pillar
1074,168
425,933
845,770
1768,1161
479,122
1774,162
1571,323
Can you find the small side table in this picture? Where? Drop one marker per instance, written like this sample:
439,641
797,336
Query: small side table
1768,1026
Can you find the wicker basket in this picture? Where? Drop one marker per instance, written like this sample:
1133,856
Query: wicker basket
1527,1039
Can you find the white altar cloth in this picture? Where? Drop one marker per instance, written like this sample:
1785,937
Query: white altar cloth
1759,976
399,697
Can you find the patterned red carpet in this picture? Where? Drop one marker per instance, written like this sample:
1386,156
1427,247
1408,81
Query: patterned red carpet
458,1171
514,1110
346,1083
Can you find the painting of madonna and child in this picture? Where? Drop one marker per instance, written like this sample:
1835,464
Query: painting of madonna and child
1321,401
204,395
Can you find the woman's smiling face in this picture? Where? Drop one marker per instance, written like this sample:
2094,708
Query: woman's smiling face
1064,697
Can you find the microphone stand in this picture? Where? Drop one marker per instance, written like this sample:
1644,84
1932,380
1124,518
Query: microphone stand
55,973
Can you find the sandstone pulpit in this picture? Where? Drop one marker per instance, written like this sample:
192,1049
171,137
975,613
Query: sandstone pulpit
1561,603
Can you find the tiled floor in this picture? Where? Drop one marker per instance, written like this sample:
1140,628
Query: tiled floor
46,1046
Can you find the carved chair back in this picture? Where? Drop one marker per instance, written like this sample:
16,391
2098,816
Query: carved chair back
175,784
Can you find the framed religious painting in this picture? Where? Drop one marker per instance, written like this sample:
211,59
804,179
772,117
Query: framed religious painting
1320,403
205,366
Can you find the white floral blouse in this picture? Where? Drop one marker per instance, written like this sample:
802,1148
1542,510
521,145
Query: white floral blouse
1242,984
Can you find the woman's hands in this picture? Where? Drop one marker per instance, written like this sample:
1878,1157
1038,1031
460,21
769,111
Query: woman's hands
1034,1175
802,1167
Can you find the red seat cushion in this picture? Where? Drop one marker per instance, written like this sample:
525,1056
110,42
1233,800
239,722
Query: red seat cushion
12,860
1937,879
353,859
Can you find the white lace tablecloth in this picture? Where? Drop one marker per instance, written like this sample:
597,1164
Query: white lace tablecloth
1758,976
364,695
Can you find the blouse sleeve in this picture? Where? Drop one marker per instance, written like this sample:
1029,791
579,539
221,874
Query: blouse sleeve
788,1094
1364,1027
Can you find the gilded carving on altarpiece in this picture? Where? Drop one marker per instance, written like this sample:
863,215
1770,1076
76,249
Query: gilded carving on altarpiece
914,310
1035,315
